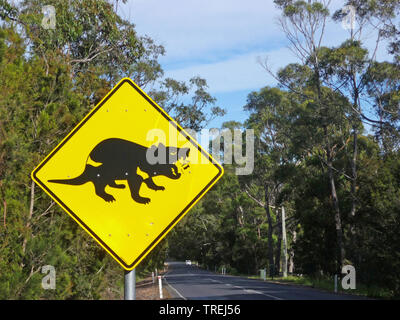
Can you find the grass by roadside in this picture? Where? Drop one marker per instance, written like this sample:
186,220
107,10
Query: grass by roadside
323,283
327,284
147,290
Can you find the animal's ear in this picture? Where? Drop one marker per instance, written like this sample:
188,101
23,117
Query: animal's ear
153,149
156,154
156,150
161,148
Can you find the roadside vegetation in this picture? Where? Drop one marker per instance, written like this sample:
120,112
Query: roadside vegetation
49,80
326,150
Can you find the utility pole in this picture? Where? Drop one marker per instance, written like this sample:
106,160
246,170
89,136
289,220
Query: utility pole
285,258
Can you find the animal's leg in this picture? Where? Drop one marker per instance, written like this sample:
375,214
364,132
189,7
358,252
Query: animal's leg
150,183
100,191
134,184
113,184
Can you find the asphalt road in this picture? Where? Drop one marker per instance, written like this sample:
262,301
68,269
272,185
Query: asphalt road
192,283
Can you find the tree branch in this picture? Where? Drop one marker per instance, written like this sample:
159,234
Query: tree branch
260,203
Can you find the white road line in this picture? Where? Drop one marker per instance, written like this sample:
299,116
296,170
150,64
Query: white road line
250,291
271,296
179,294
213,280
258,292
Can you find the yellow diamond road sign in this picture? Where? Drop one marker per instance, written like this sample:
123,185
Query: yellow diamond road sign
127,173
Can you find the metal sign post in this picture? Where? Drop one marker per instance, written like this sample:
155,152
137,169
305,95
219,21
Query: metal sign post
130,285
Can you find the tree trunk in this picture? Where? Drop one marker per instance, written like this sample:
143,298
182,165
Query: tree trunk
335,202
291,255
270,230
338,221
353,241
4,213
354,182
278,250
356,95
28,223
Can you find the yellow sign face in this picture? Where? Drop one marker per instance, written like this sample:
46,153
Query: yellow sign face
127,173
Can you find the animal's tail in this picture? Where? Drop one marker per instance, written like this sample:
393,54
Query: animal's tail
83,178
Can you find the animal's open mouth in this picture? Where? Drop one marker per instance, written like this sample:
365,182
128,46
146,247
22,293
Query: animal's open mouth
184,155
174,171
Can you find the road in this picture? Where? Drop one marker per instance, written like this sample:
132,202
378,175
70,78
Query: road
192,283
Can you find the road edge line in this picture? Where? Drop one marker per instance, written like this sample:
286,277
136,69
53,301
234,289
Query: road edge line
170,286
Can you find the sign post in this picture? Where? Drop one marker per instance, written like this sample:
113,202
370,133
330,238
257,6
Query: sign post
130,285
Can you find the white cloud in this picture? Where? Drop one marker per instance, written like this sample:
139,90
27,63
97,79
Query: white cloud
220,40
241,72
192,29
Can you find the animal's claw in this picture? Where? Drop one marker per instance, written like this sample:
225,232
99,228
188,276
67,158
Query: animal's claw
109,198
142,200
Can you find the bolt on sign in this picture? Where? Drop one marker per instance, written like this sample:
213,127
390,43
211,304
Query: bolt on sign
127,173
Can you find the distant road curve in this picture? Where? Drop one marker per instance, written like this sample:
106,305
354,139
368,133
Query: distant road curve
192,283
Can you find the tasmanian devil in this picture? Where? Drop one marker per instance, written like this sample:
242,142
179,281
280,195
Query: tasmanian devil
119,159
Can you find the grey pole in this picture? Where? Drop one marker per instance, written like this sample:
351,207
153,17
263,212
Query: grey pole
130,285
285,258
336,279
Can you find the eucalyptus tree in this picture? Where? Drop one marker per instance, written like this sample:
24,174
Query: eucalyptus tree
304,26
269,117
191,105
51,78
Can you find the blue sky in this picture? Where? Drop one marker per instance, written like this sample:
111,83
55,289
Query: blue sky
221,40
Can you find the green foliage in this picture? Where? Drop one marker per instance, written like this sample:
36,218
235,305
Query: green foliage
194,113
224,229
338,182
36,111
50,79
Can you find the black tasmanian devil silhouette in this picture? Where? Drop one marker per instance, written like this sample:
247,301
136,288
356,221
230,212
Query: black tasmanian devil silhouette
120,160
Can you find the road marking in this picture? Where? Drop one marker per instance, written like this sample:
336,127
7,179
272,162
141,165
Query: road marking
271,296
179,294
251,291
213,280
